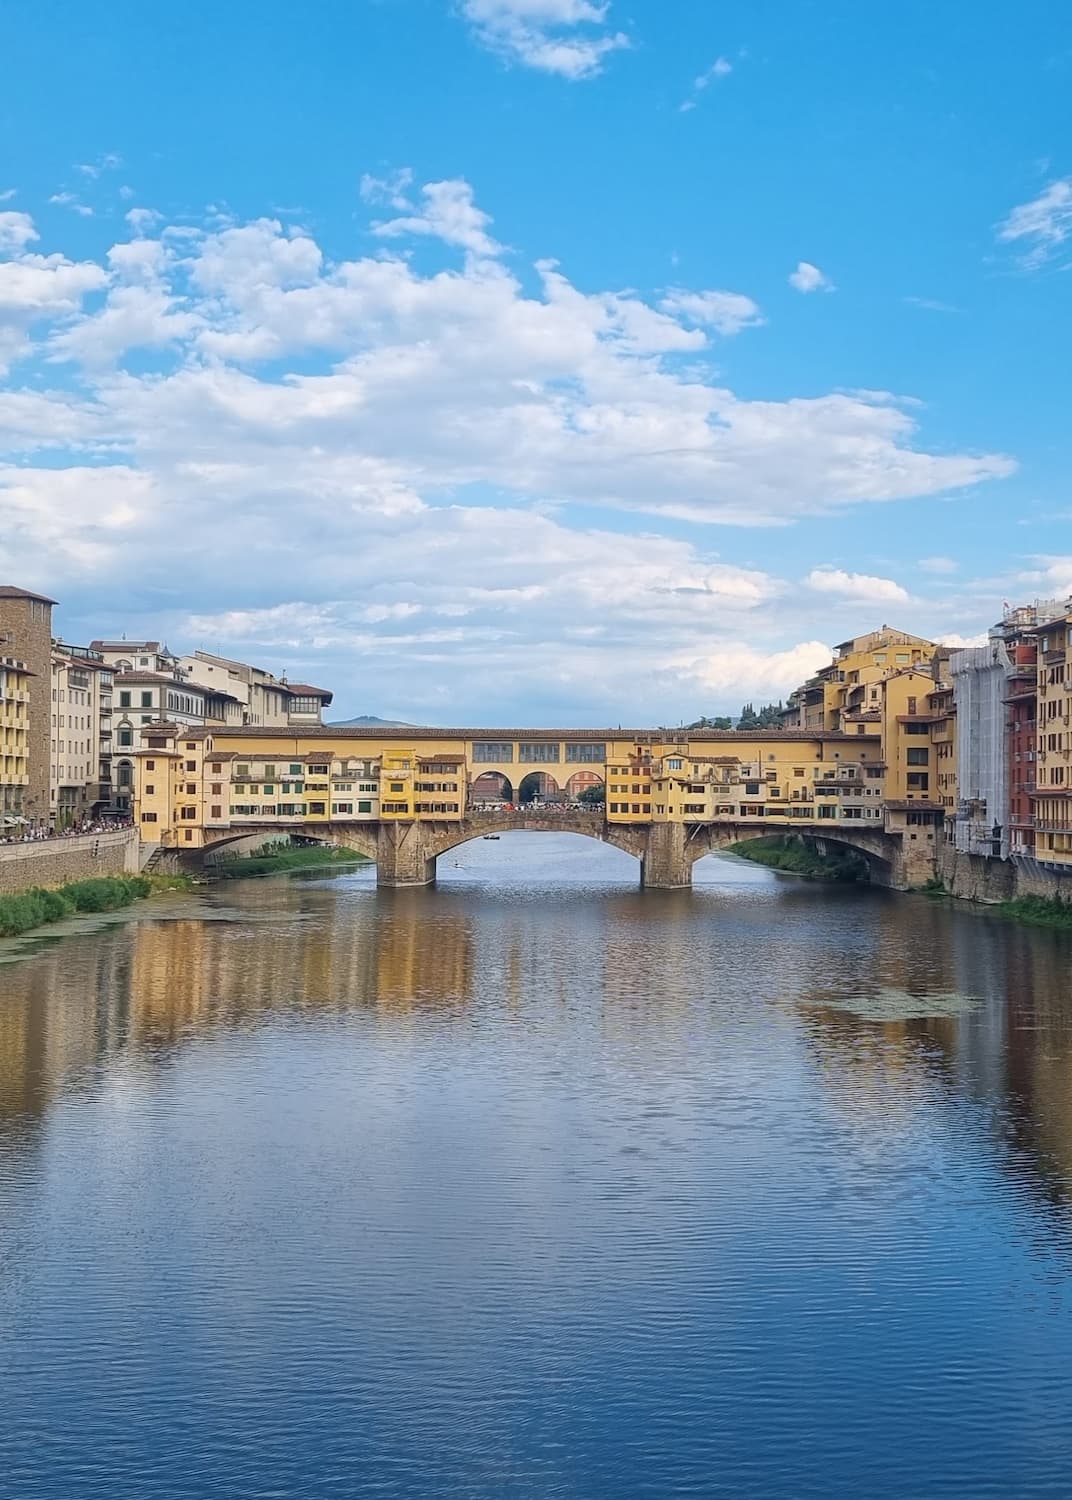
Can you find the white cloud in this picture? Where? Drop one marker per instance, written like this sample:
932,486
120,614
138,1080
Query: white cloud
808,278
567,37
391,189
16,231
430,438
71,201
448,213
726,312
941,566
957,642
1050,577
720,68
8,194
856,586
1042,225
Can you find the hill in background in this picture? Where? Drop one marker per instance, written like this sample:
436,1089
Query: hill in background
370,721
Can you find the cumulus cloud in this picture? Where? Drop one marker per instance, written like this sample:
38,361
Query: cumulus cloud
1041,226
571,38
447,213
726,312
369,467
808,278
856,586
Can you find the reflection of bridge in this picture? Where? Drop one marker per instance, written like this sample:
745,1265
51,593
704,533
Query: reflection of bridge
406,853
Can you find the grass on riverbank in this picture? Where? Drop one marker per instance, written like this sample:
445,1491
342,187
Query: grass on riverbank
798,858
286,859
1039,911
25,910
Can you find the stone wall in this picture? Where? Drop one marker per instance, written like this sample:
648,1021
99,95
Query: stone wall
58,861
974,877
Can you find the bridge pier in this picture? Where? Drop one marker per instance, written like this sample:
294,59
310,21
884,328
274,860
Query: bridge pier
665,864
404,855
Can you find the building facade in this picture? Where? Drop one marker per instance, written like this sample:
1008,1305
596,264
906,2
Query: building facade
80,780
14,744
26,635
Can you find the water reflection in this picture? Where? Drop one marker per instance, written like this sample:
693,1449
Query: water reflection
534,1182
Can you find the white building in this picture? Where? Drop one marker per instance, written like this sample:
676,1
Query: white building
80,744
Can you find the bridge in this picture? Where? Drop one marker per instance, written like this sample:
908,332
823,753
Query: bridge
405,854
403,796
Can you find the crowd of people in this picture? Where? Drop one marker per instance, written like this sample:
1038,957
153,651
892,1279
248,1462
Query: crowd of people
32,833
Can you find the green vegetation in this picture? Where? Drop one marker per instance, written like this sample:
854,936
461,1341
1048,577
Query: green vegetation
935,886
284,858
1039,911
799,858
592,796
36,907
174,882
767,717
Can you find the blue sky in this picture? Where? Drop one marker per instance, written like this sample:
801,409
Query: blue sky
534,359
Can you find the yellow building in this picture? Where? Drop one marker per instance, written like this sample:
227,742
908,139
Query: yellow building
196,786
824,699
15,678
1053,793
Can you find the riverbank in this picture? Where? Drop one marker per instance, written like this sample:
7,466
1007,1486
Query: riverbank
1037,911
23,911
286,860
794,857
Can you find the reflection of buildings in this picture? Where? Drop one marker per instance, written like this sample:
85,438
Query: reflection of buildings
143,987
1010,1053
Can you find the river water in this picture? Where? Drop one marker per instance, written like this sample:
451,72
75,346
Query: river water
536,1185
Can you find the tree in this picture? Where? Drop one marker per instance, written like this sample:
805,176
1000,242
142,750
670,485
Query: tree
592,796
768,717
723,721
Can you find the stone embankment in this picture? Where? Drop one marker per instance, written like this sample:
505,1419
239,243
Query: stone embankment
60,861
973,877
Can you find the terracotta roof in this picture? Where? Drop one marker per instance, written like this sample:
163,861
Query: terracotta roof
303,690
412,735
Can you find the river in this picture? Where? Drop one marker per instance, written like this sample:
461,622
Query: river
536,1185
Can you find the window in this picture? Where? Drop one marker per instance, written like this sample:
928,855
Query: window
911,705
191,789
124,699
536,752
493,750
364,807
148,817
150,791
918,757
126,737
397,786
917,729
217,812
191,765
269,772
189,835
317,809
918,781
188,814
304,705
242,773
150,765
318,770
146,700
673,765
216,788
295,769
587,754
751,788
269,790
799,770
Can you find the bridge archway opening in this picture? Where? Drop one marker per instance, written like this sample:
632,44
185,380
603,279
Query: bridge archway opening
582,781
491,786
843,859
537,787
